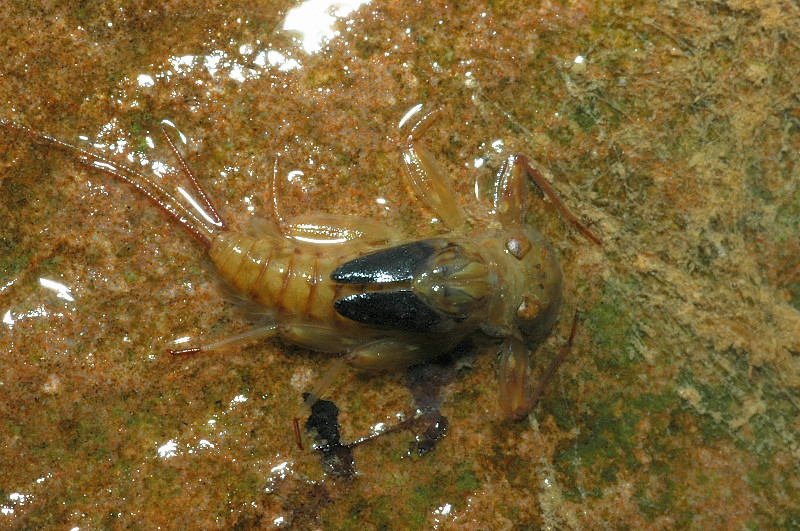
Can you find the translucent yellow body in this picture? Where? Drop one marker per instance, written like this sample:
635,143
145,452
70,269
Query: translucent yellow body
380,301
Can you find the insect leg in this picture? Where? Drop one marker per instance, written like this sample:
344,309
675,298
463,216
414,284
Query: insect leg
322,228
429,178
514,372
275,192
316,337
378,354
513,375
554,365
519,163
509,193
335,229
260,332
332,373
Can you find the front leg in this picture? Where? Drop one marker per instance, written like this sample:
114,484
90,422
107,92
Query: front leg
516,398
509,195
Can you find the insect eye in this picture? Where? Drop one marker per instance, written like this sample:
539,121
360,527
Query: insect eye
519,247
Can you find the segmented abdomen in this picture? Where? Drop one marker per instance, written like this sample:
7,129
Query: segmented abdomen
278,274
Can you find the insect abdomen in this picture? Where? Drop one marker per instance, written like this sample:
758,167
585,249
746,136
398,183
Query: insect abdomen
277,274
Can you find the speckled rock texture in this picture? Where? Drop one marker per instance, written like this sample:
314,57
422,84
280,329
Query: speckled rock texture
671,128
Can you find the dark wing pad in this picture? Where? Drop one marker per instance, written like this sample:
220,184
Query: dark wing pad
395,264
398,310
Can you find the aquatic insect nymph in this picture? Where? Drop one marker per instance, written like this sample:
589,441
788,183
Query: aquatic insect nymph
380,301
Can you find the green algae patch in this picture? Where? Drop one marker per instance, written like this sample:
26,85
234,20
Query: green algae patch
609,439
414,501
140,125
383,512
655,403
585,118
13,262
620,435
794,290
613,328
466,481
16,189
746,410
563,411
787,218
